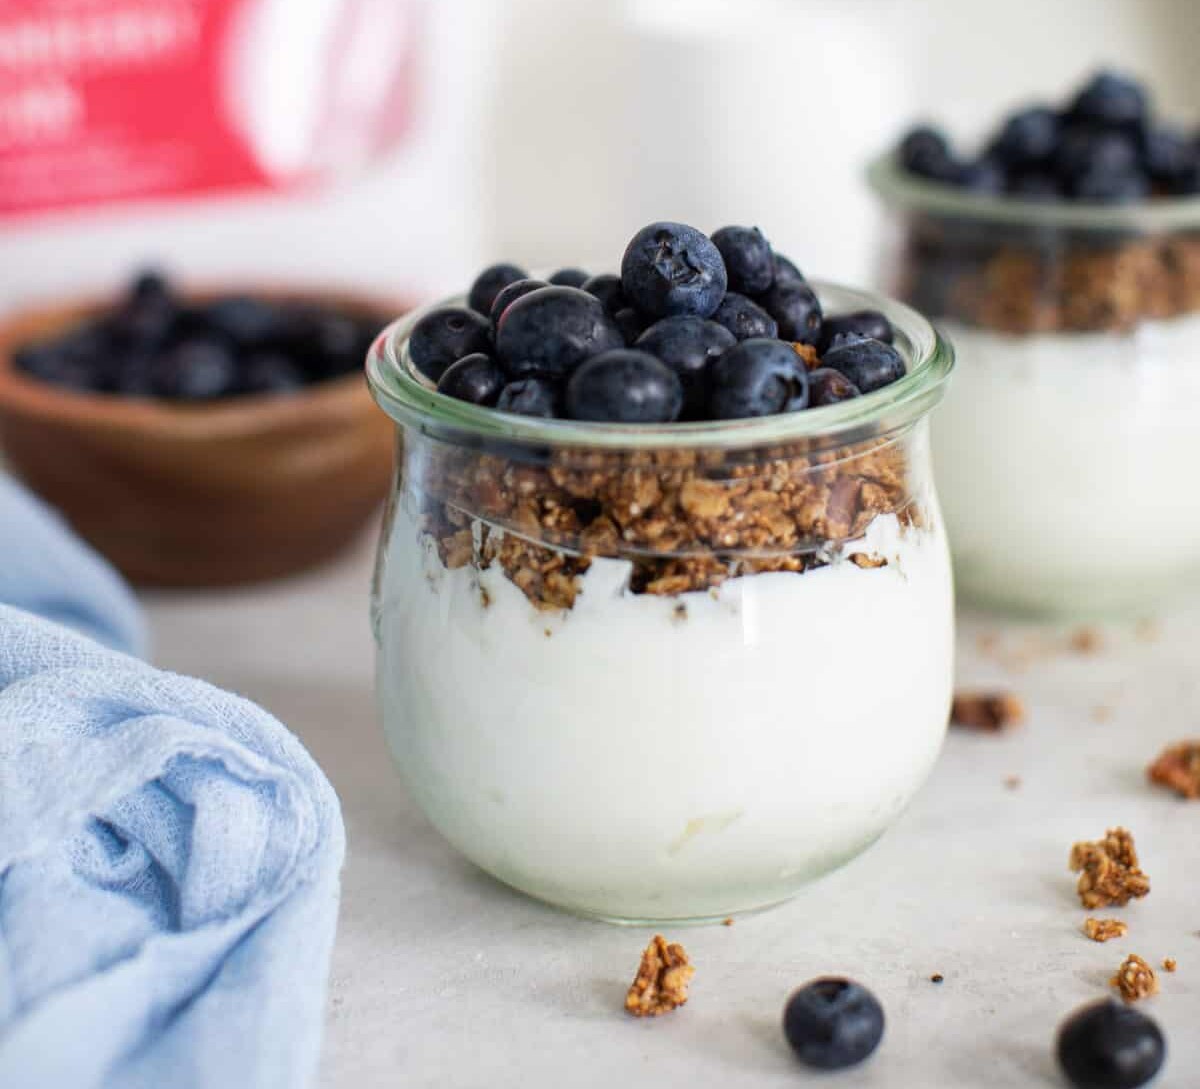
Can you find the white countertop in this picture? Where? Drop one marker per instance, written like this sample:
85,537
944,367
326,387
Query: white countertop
442,977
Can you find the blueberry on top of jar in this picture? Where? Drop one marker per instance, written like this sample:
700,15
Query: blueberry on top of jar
1101,146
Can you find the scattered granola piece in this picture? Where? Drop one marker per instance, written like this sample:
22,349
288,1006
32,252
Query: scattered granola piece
808,353
1178,767
1108,870
1012,781
1135,979
727,922
990,711
1169,964
867,560
1103,930
937,977
662,979
1086,641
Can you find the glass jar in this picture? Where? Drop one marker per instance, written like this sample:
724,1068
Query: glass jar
664,672
1066,447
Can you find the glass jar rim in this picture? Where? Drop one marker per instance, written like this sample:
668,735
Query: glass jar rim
899,188
410,399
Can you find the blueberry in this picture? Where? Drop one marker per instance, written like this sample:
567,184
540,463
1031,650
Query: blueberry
749,263
1034,185
1169,157
866,323
338,341
607,288
248,322
786,272
49,362
688,346
756,377
827,387
445,335
489,283
530,397
670,268
197,369
477,378
1084,150
624,386
985,175
869,364
1105,1045
1028,137
833,1023
271,372
552,330
924,151
796,309
150,285
744,318
509,295
1101,187
569,277
1110,99
630,323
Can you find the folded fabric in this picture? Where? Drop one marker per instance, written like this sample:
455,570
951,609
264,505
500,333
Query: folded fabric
46,569
169,860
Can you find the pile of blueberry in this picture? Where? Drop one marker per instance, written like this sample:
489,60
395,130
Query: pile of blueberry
694,328
155,344
1104,147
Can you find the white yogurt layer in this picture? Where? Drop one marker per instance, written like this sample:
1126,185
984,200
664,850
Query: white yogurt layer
654,758
1066,463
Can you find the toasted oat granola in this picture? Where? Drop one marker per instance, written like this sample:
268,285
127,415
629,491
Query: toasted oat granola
1108,870
1135,979
1103,930
662,979
990,711
1169,964
1178,767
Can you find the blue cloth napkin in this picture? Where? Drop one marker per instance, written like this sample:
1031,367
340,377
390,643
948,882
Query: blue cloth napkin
45,569
169,861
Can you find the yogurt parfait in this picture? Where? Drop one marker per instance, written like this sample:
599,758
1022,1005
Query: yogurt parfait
663,603
1064,262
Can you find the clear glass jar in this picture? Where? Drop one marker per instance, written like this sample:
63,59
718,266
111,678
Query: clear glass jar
1066,447
664,672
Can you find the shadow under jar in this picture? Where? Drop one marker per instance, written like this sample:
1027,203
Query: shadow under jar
1066,448
665,672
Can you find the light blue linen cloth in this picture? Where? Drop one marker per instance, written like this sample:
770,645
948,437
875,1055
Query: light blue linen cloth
169,863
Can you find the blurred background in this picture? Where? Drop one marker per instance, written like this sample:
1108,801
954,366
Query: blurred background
398,144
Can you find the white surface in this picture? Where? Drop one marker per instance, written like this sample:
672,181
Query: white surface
524,735
1059,456
443,978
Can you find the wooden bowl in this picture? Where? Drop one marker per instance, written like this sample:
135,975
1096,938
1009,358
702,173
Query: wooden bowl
241,489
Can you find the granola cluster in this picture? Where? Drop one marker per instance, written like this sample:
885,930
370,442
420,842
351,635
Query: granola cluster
1135,979
987,711
1178,767
1020,282
1104,930
662,979
687,520
1108,870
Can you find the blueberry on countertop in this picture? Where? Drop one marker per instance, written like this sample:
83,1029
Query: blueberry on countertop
489,283
749,262
757,377
796,310
869,364
688,346
833,1023
552,330
1111,99
607,288
445,335
477,378
670,268
530,397
1106,1045
624,386
569,277
827,387
510,294
866,323
744,318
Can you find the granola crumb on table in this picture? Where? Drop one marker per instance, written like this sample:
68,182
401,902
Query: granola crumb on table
1178,767
1169,964
1135,979
1108,870
1103,930
662,979
988,711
